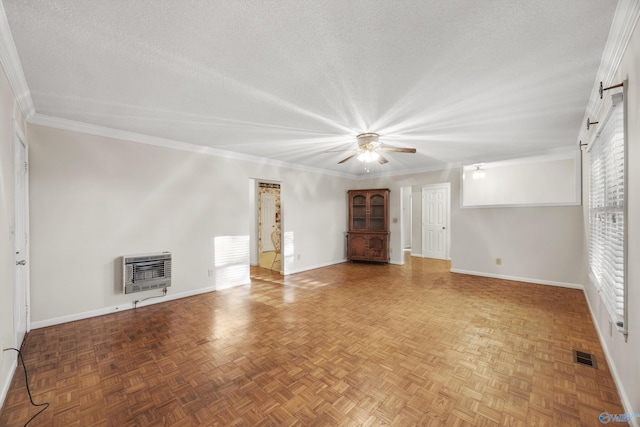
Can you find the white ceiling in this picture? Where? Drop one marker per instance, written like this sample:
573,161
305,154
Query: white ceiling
460,80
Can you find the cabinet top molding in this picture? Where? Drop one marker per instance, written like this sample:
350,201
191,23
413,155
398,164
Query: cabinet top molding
370,189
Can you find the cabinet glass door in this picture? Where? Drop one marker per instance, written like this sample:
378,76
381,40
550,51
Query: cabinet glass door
377,220
358,212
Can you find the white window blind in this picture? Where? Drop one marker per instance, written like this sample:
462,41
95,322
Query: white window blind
607,257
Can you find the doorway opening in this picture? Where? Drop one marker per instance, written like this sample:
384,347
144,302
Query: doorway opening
269,230
406,218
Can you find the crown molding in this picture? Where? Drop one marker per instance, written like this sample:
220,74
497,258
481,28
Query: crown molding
13,67
622,26
86,128
407,172
122,135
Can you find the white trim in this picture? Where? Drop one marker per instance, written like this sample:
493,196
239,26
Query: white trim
529,205
75,126
127,306
635,421
169,297
406,172
622,26
519,279
13,67
313,267
81,127
5,387
19,138
554,152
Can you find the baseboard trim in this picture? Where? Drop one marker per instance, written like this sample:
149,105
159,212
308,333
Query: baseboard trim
168,297
635,421
7,383
519,279
126,306
314,267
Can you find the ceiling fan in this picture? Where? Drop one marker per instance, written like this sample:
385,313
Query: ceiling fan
369,149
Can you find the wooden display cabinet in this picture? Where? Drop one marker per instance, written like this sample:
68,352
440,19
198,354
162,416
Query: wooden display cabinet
368,236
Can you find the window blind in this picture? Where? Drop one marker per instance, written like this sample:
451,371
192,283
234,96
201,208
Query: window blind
607,213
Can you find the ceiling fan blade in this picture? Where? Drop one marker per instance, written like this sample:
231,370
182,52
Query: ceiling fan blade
397,150
382,160
340,150
348,158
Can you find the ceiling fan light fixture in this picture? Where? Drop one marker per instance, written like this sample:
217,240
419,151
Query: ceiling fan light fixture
368,156
369,148
368,139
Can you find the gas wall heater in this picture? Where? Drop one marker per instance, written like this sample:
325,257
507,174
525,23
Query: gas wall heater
145,272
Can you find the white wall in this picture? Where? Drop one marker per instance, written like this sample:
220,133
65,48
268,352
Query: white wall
625,356
536,244
523,183
94,199
9,112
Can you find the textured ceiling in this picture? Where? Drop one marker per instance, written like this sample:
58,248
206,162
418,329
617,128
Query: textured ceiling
460,80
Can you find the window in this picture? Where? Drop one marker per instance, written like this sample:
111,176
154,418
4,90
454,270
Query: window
607,213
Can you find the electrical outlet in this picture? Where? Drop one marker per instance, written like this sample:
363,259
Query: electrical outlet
498,261
298,257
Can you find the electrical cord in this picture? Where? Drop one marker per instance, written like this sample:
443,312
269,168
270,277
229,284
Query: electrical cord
26,380
136,302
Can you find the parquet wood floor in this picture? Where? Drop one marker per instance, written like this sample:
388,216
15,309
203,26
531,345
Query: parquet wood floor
350,344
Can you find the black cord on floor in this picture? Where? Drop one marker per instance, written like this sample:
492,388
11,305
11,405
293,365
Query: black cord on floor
26,380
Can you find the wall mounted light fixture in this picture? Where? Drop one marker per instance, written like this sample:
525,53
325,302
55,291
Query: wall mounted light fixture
479,173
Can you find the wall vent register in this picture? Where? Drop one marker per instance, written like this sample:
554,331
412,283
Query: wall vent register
146,272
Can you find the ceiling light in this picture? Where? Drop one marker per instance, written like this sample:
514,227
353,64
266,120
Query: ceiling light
479,173
368,156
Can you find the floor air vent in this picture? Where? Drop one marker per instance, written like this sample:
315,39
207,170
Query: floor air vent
584,358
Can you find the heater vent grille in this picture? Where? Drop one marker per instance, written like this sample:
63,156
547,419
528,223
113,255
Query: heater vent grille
146,272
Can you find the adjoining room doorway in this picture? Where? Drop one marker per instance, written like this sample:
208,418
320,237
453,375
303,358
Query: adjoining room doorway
269,230
406,218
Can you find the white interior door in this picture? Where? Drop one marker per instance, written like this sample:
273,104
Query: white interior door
267,219
21,240
435,221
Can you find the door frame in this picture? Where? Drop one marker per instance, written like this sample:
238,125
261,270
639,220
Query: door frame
446,186
20,140
255,216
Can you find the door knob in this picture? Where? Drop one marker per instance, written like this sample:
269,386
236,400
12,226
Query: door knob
23,262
